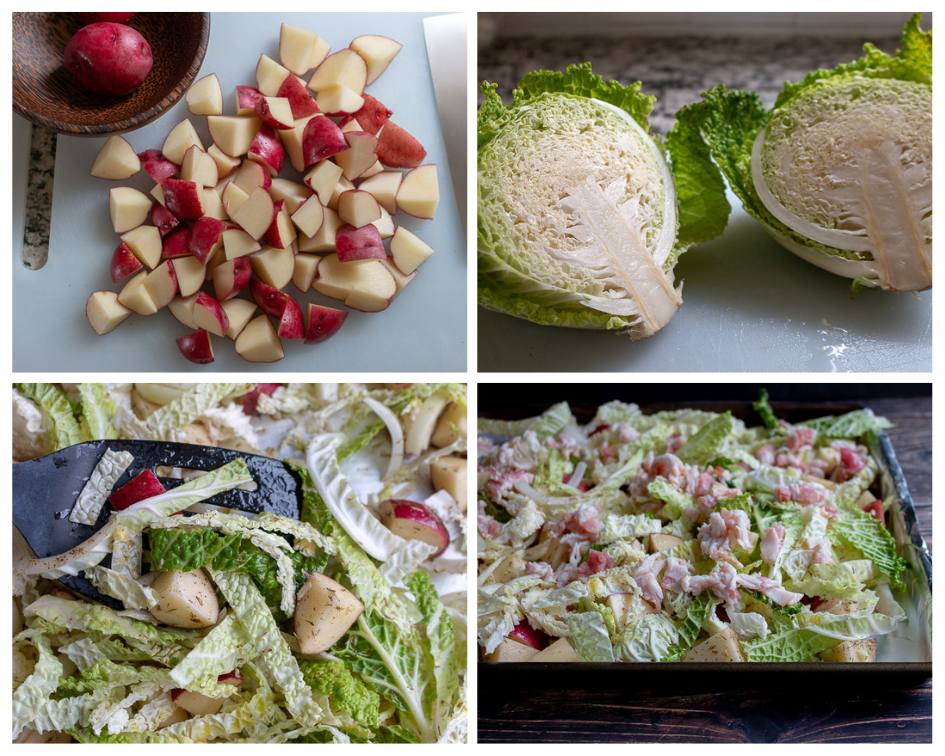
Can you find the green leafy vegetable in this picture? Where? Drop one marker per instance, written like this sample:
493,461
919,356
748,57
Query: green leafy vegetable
837,145
578,221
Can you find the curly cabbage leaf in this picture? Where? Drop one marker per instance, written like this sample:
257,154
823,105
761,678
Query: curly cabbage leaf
840,170
578,218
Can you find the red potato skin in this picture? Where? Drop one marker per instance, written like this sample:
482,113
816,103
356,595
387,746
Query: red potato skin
158,166
175,243
163,219
247,97
321,139
108,59
396,148
271,300
323,323
143,486
363,243
196,347
372,115
300,100
181,198
124,263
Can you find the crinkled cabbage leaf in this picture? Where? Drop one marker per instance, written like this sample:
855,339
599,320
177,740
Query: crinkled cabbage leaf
840,170
581,216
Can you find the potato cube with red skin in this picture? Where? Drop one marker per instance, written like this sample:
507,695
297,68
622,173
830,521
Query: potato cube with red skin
124,263
163,218
143,486
196,347
205,237
246,99
182,198
321,139
300,99
210,315
396,148
372,115
175,243
157,166
359,244
271,300
231,277
323,323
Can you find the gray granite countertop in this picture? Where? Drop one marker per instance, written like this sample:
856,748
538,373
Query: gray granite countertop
675,69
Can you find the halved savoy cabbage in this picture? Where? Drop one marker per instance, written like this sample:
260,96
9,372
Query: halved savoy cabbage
840,170
582,216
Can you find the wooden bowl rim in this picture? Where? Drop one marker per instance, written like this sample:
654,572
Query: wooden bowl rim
139,120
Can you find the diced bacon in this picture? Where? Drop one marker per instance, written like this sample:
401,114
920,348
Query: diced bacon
597,561
566,574
774,591
676,570
584,521
851,462
488,526
789,460
721,581
675,443
802,493
694,514
800,438
724,530
719,492
821,550
501,482
627,433
646,574
599,429
541,569
771,543
765,454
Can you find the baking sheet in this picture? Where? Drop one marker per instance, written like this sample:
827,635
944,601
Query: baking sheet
749,306
904,654
424,329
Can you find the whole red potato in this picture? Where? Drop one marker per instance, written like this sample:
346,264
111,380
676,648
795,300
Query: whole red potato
118,18
107,58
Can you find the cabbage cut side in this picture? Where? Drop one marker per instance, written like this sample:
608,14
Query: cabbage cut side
577,214
848,164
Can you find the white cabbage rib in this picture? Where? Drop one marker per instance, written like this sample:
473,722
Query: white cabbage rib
849,166
584,205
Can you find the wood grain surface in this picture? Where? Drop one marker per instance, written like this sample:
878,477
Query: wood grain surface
616,710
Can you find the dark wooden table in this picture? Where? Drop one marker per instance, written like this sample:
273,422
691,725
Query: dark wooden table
611,708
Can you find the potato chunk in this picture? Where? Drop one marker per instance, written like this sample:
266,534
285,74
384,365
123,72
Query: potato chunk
186,599
721,647
324,612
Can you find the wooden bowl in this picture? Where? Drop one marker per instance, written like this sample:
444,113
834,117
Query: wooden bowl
45,93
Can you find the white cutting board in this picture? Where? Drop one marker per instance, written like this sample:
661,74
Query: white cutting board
424,329
749,306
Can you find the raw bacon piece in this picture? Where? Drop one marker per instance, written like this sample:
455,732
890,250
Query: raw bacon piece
646,574
597,561
771,543
774,591
721,581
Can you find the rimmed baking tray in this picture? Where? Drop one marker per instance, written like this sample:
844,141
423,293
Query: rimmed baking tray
904,657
